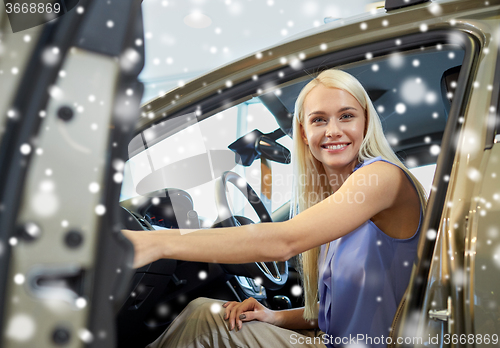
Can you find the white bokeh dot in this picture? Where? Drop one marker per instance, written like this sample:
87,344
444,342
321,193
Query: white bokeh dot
20,327
85,335
215,308
32,229
94,187
80,302
396,60
118,178
400,108
431,234
435,9
100,209
431,98
435,149
296,290
25,149
474,174
19,278
412,91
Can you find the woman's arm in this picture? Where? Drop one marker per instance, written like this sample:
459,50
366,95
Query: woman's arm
365,193
293,319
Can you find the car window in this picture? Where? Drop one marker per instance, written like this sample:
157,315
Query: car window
425,174
411,90
412,93
158,148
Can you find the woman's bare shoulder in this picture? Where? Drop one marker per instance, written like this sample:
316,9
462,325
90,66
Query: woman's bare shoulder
379,173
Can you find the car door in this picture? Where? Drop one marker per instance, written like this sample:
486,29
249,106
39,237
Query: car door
452,293
69,102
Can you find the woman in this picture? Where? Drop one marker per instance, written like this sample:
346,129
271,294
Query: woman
360,213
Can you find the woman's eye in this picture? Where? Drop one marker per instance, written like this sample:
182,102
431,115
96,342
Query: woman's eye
346,116
317,119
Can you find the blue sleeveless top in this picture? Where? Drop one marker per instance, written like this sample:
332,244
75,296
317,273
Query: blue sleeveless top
362,279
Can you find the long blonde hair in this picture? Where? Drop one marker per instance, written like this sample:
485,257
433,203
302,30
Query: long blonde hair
310,184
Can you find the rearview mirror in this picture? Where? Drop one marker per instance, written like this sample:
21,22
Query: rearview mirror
271,150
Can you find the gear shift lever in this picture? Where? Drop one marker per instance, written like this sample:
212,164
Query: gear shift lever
282,302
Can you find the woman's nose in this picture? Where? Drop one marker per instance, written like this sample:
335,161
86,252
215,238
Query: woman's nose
333,130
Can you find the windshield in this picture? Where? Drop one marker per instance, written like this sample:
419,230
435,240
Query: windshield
188,154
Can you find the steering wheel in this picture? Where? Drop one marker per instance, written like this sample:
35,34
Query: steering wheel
273,275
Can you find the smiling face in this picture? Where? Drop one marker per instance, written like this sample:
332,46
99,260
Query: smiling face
333,128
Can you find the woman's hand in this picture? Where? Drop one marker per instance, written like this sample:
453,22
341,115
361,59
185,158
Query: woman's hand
250,309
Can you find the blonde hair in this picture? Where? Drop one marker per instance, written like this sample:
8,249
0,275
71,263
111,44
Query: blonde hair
309,188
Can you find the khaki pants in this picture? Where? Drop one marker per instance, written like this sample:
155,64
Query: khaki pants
202,324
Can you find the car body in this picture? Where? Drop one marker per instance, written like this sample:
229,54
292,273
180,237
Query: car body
432,71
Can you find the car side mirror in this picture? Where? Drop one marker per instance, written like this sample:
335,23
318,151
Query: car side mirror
271,150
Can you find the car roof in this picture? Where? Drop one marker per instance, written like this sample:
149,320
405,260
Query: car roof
316,42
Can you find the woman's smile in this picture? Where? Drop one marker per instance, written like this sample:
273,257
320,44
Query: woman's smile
335,148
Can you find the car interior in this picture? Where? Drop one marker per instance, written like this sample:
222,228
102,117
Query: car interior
179,170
